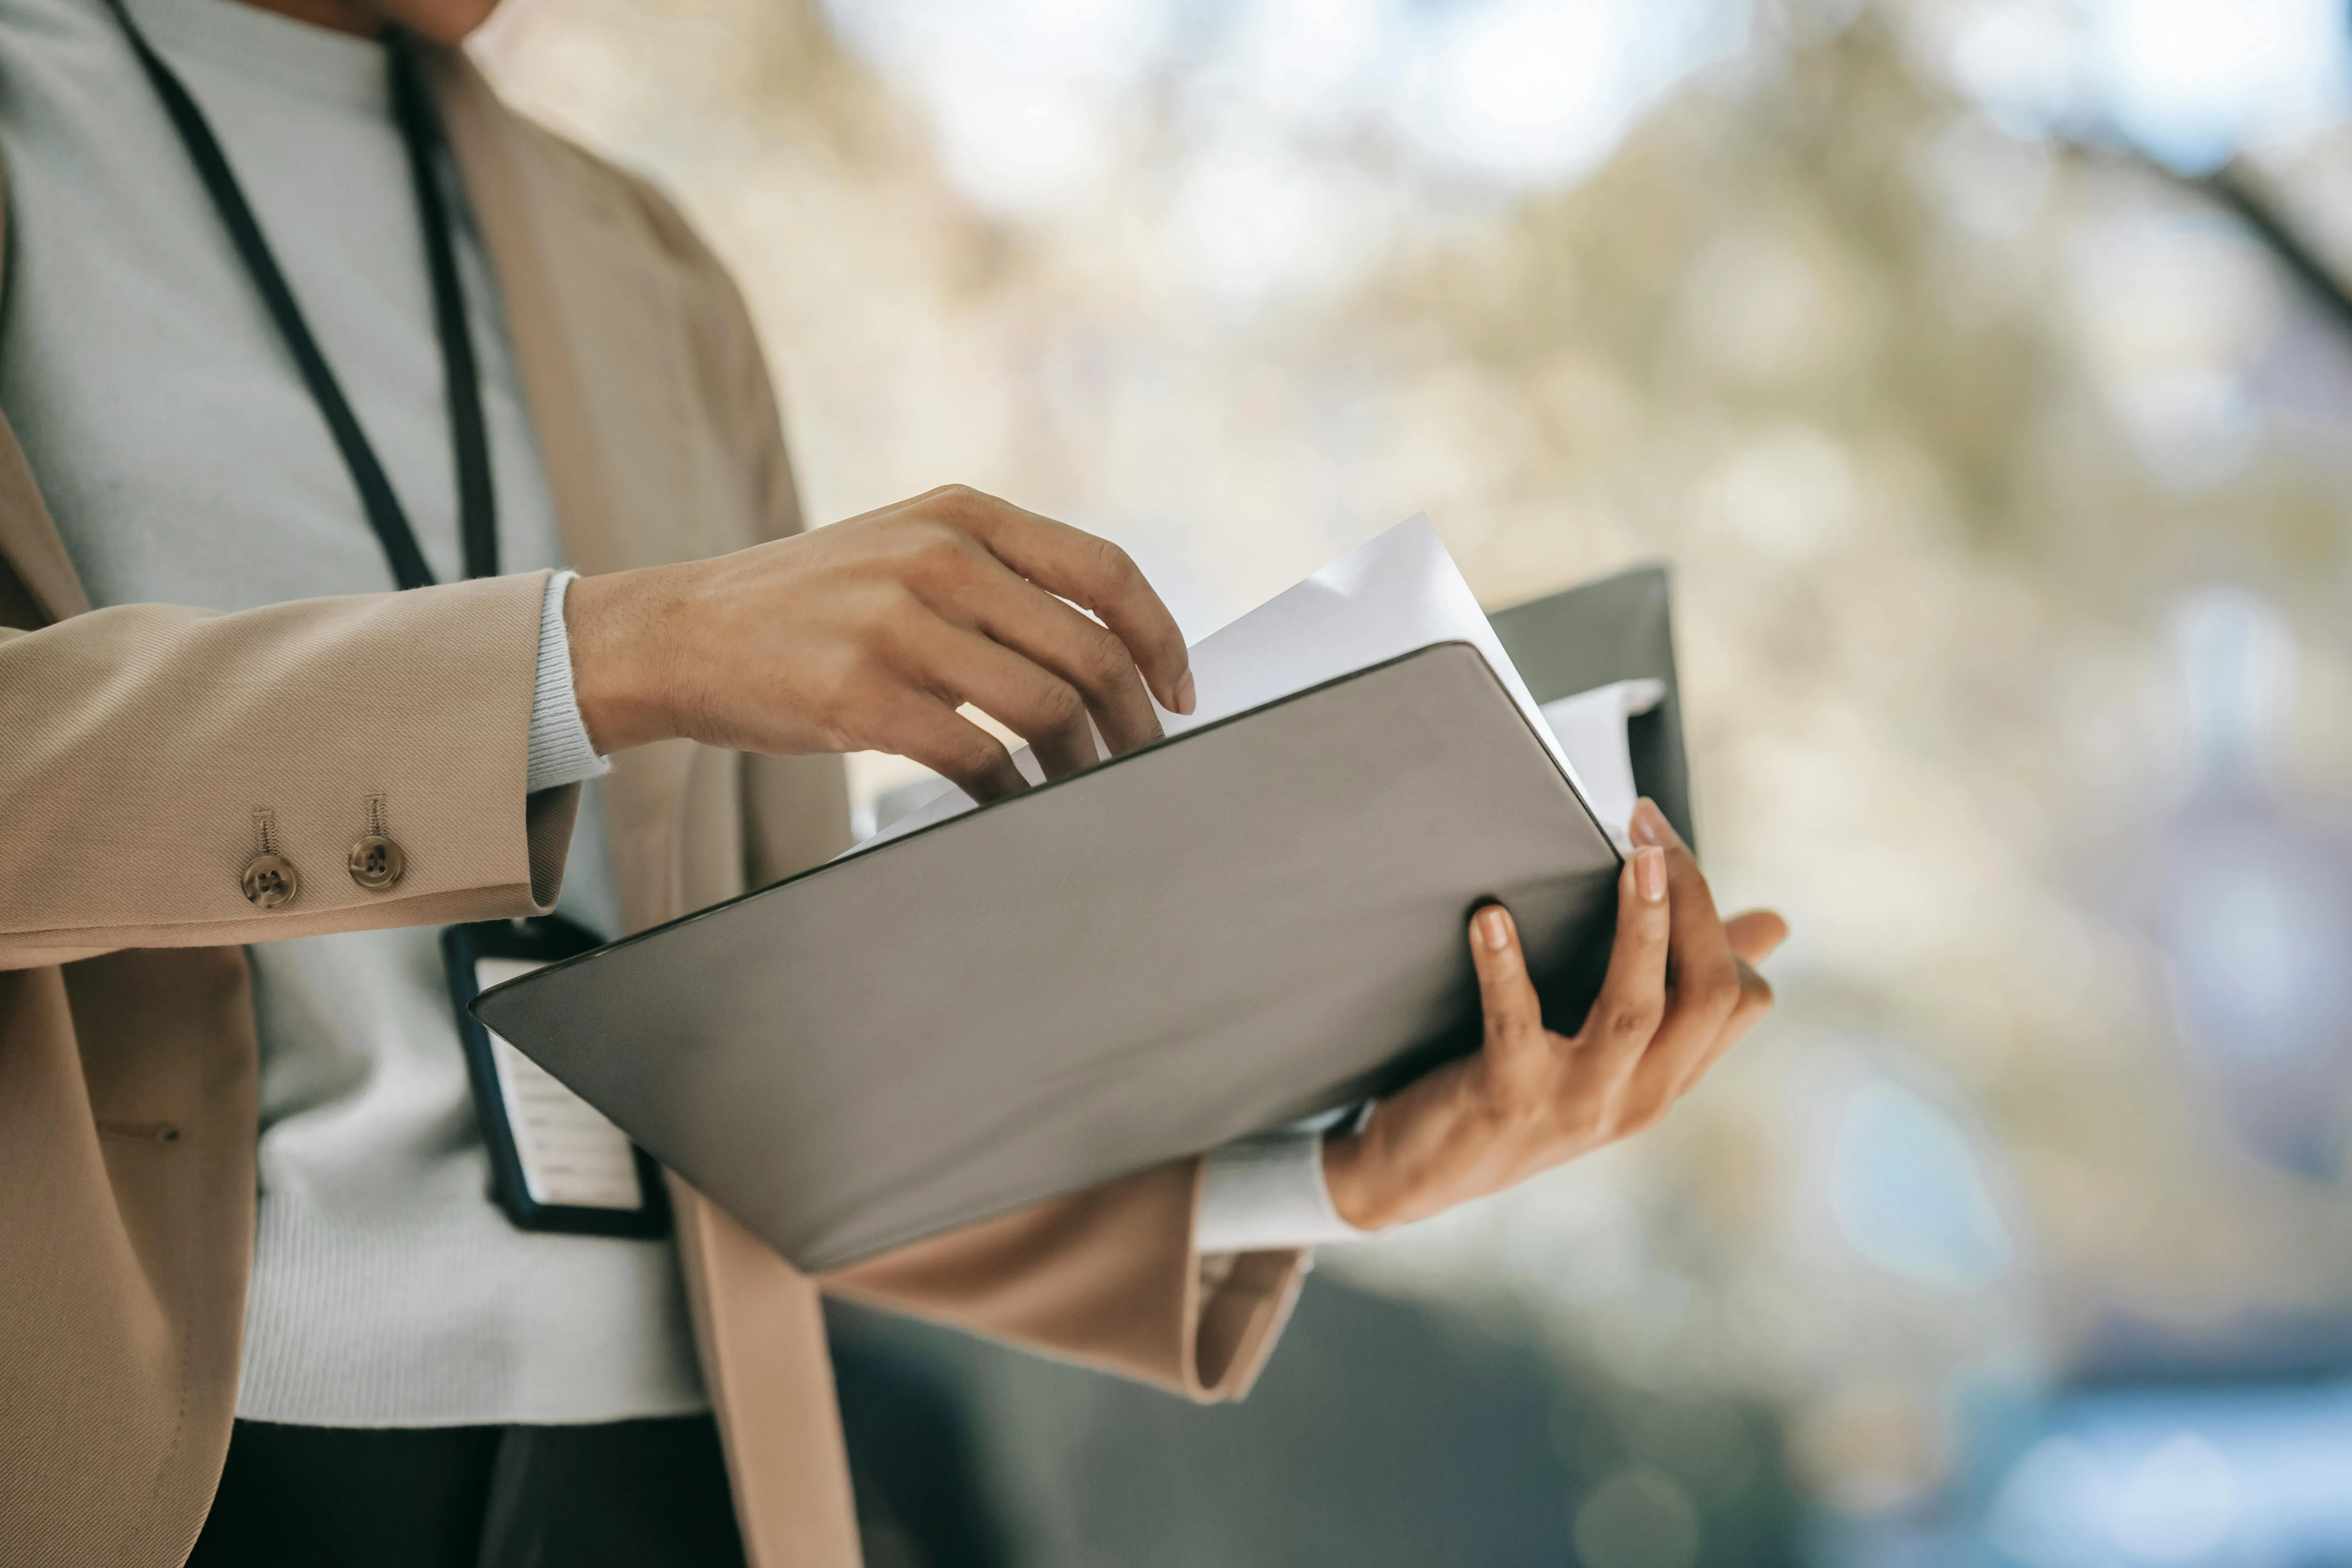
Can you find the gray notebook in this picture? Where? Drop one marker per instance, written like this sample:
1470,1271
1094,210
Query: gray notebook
1233,928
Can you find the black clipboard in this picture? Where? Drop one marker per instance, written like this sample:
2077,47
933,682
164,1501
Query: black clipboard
547,939
1618,629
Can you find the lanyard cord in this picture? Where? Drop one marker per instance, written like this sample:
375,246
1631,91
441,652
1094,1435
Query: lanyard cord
420,128
411,106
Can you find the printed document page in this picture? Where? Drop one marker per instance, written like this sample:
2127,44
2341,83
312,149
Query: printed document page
1590,727
571,1153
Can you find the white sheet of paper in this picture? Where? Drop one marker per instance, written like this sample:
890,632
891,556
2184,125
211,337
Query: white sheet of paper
1590,727
1396,593
571,1155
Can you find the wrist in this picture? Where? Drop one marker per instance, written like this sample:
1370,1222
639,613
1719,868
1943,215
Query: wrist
1349,1177
613,624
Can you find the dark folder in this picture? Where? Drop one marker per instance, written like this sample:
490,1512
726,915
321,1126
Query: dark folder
1619,629
1258,920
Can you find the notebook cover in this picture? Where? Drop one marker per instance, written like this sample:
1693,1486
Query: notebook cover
1222,932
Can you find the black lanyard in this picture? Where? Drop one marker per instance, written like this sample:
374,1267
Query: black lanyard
411,106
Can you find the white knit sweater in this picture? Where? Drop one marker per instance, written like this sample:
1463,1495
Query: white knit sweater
184,463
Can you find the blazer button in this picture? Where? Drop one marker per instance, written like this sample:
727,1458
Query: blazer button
270,881
377,862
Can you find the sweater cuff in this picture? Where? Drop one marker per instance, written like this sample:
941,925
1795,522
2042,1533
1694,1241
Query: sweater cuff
561,751
1265,1194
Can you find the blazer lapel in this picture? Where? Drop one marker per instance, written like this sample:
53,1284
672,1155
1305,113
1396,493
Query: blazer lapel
38,581
482,136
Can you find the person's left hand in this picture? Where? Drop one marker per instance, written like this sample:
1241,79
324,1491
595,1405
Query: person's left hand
1680,991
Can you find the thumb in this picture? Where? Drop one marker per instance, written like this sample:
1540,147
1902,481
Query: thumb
1755,933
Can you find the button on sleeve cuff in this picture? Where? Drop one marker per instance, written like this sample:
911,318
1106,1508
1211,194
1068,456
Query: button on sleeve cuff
561,751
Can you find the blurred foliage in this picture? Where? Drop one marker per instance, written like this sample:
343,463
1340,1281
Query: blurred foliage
1936,424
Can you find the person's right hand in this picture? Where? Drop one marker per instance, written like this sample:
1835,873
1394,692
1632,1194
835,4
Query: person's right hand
869,635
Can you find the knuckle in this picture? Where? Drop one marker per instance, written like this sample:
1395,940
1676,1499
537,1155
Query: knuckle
1716,995
871,711
845,693
911,539
1111,564
956,509
1642,1114
1508,1047
935,545
1632,1021
982,509
1059,704
1535,1120
971,752
887,642
1726,1003
892,605
832,709
1106,661
1514,1114
1519,1027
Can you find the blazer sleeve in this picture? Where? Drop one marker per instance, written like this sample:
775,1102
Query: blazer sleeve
145,749
1107,1277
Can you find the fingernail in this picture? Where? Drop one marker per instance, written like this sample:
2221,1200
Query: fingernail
1650,874
1184,696
1494,929
1649,825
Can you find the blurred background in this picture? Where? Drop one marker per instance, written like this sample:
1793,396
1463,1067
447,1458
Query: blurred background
1982,370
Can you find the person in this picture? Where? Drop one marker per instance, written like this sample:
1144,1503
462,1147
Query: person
322,371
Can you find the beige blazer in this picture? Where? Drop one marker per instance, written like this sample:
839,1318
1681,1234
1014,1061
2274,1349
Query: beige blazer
138,744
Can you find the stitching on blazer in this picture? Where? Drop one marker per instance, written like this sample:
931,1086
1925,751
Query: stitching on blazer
146,1131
